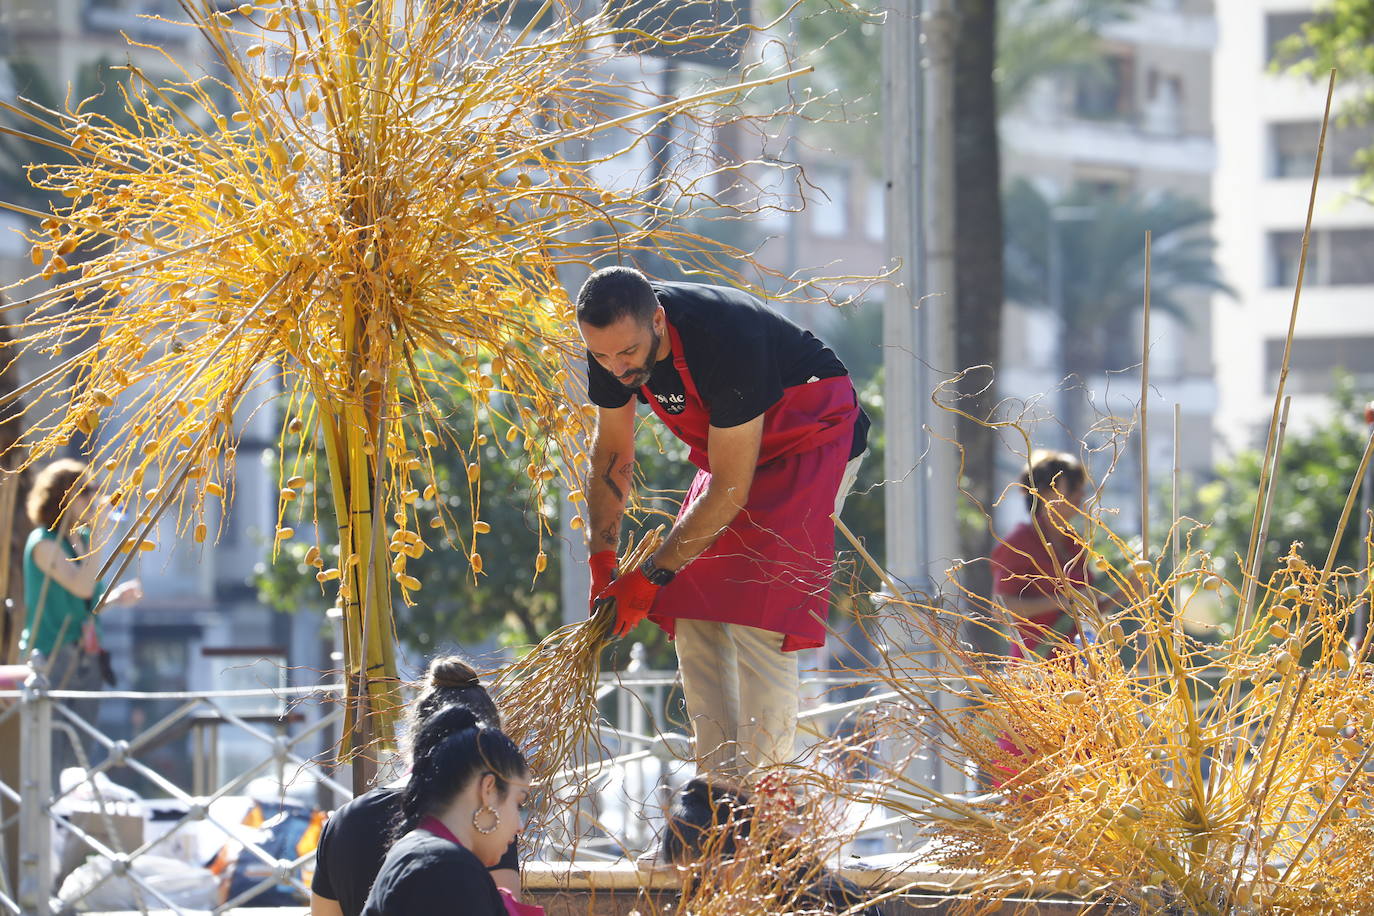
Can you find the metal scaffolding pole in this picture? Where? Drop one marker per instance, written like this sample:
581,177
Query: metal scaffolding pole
918,328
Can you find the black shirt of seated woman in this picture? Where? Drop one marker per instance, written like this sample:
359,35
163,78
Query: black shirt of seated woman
425,873
355,838
459,813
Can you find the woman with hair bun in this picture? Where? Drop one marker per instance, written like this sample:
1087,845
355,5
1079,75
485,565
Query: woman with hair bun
459,813
354,840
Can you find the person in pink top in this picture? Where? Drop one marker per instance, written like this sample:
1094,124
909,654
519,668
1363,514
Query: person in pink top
1038,568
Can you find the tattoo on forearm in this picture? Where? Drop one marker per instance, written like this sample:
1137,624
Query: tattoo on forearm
611,535
608,476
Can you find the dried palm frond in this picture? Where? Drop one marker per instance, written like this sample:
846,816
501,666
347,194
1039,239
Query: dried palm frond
548,697
366,194
1150,765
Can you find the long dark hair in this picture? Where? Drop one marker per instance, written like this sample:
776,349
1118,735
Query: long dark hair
452,748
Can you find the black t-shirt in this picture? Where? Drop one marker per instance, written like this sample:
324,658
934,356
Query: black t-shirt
741,355
353,844
426,875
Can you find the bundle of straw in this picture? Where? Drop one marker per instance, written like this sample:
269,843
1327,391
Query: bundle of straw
548,697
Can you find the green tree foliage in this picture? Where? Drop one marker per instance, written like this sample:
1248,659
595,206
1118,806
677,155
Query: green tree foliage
96,89
857,340
1038,38
1101,268
1316,471
454,604
506,600
1339,36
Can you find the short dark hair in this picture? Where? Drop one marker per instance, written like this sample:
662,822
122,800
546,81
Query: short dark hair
1051,470
54,489
614,292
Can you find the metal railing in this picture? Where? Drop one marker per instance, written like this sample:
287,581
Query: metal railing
44,718
642,751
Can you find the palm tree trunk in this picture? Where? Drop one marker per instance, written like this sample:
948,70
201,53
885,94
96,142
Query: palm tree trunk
978,258
1079,361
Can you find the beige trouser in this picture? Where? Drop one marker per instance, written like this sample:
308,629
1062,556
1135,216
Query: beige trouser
741,688
741,692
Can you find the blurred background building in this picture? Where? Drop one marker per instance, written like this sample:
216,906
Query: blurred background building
1268,124
1103,145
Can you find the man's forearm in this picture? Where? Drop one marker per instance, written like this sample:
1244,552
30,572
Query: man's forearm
699,527
607,492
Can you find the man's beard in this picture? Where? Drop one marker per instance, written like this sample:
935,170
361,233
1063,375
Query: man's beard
639,377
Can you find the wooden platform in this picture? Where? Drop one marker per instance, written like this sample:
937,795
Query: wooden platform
622,888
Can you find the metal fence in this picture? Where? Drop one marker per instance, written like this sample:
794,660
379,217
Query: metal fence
42,819
642,754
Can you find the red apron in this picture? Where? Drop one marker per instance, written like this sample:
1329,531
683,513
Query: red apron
771,567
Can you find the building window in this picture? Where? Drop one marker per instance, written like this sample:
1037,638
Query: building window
1108,93
1285,249
1163,111
161,661
1293,149
1335,257
1350,254
1278,27
875,211
830,205
1314,362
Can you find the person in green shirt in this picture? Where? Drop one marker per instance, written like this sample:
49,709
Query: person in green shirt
61,590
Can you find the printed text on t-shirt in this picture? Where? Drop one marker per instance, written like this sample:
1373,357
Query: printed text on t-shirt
672,403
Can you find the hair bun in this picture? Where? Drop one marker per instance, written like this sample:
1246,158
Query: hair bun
451,671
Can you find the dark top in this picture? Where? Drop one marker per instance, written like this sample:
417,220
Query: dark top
353,845
426,875
741,354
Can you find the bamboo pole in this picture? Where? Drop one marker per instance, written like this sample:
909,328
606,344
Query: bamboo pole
1271,456
1145,413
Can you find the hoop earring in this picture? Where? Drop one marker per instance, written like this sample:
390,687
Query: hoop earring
495,823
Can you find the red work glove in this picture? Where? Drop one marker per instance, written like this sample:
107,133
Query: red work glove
603,564
634,594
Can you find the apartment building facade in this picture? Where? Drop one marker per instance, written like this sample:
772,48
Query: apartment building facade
1268,125
1141,123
